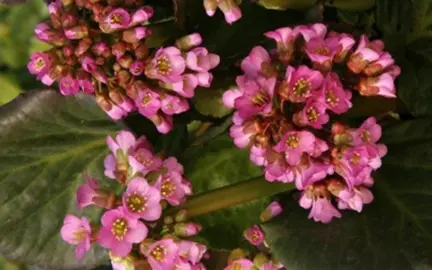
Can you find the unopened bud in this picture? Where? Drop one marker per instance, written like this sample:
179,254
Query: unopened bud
260,259
181,215
187,229
168,220
76,32
236,254
119,49
125,61
69,20
274,209
210,7
137,68
83,45
136,34
187,42
141,51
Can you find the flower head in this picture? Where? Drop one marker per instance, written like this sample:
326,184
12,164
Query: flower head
254,235
167,65
300,83
77,231
162,254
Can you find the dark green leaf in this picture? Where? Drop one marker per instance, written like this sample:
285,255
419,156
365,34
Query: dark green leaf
48,142
213,165
175,142
394,232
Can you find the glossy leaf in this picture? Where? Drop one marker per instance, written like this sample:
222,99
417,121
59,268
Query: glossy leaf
394,232
48,142
9,89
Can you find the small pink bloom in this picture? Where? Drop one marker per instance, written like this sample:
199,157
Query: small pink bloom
394,71
230,96
284,38
186,86
317,30
191,251
354,199
100,48
210,7
309,172
87,192
142,160
377,67
141,200
244,133
162,254
365,53
171,187
51,76
258,155
119,232
230,10
322,209
174,105
320,146
142,15
368,133
88,64
43,32
40,64
272,210
100,75
187,42
171,164
257,96
137,68
252,64
148,102
301,83
116,112
313,114
204,79
346,42
254,235
68,85
163,123
243,264
124,141
276,167
199,59
167,65
321,52
118,18
76,32
334,96
382,85
77,232
136,34
294,144
86,86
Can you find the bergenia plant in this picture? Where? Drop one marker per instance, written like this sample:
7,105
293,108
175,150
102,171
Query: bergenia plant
215,134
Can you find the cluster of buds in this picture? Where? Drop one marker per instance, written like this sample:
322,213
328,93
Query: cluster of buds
229,8
284,103
99,48
135,218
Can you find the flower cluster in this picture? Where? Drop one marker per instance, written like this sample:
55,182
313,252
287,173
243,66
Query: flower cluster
134,218
99,48
283,105
229,8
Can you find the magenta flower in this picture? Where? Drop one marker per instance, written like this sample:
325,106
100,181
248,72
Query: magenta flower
317,199
51,76
117,19
171,164
186,86
346,42
204,79
354,199
167,65
171,187
40,64
119,232
76,32
258,155
243,264
148,102
244,133
377,67
320,146
294,144
137,68
309,172
68,85
365,53
116,164
313,114
141,200
276,167
162,254
77,232
43,32
191,251
272,210
187,42
163,123
100,48
88,64
142,160
257,96
284,38
382,85
173,105
301,83
368,133
136,34
321,52
199,59
334,96
230,10
317,30
253,63
87,192
254,235
142,15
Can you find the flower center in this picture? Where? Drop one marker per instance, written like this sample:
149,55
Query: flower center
167,188
260,99
355,158
312,114
145,160
39,63
301,87
365,136
322,50
146,99
163,66
237,266
331,98
116,18
136,203
119,228
255,237
80,235
292,141
158,253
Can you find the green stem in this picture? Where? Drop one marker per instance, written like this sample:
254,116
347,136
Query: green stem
231,195
351,5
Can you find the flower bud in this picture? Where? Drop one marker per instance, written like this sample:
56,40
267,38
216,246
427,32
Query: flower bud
260,259
119,49
188,42
69,20
273,210
168,220
83,45
187,229
125,61
101,49
236,254
76,32
137,68
142,15
136,34
141,52
210,6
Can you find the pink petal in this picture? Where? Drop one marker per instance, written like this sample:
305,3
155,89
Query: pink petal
121,249
137,234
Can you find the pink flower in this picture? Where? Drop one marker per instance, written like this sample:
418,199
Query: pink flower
69,85
382,85
199,59
244,133
141,200
257,154
285,38
43,32
162,254
137,68
148,102
354,199
363,55
76,32
184,87
313,114
321,52
118,18
191,251
77,232
272,210
163,123
40,64
377,67
254,235
253,63
116,164
276,167
310,171
334,96
346,42
317,30
171,187
230,10
87,192
51,76
204,79
187,42
301,83
368,133
142,160
142,15
134,35
100,48
171,164
88,64
257,96
167,65
243,264
294,144
174,105
119,232
317,198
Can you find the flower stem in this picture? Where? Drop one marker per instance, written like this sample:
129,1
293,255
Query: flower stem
232,195
351,5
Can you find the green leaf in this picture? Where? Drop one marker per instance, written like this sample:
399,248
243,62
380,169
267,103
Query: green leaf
173,143
9,89
216,164
48,142
286,4
394,232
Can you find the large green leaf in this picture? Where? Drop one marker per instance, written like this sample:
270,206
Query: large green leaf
47,143
394,232
9,89
216,164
